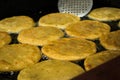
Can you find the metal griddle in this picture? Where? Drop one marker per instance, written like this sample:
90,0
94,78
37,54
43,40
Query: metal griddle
38,8
107,71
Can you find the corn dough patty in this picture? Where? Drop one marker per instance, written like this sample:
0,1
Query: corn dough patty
15,57
88,29
5,38
59,20
40,35
100,58
51,70
119,24
105,14
111,41
69,49
15,24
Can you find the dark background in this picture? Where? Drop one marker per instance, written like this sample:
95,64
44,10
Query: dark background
37,8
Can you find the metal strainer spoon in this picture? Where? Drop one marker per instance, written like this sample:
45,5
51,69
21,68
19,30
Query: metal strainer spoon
76,7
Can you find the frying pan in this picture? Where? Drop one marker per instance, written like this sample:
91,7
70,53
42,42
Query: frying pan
38,8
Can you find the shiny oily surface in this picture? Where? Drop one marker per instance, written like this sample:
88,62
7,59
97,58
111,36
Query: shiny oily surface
105,14
71,49
100,58
88,29
15,57
15,24
51,70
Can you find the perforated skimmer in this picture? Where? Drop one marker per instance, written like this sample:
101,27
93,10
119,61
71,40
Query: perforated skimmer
76,7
